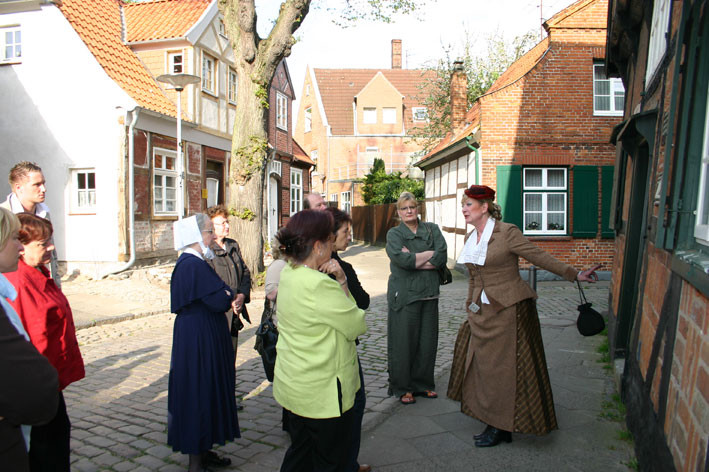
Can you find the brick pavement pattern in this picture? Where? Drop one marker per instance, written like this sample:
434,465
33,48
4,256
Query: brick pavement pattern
119,411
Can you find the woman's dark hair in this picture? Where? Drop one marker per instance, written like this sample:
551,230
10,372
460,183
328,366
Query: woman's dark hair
33,228
301,232
339,216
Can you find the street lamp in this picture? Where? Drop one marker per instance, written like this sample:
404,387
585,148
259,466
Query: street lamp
179,82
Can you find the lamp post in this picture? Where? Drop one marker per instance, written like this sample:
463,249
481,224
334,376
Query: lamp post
179,82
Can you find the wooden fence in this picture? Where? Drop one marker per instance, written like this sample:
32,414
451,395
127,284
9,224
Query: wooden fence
370,223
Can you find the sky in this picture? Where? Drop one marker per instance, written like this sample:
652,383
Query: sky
424,34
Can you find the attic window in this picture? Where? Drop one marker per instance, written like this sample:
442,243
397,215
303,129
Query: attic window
419,113
11,43
369,116
389,116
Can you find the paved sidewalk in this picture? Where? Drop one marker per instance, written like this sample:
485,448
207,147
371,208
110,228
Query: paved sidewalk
118,411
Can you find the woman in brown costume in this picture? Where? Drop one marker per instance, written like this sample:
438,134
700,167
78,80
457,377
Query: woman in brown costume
499,371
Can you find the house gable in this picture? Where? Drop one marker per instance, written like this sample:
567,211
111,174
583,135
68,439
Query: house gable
379,108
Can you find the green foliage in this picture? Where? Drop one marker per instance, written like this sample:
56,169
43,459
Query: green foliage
380,187
244,213
482,70
260,279
348,13
251,158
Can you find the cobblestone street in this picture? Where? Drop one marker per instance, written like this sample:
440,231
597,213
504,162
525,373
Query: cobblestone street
119,411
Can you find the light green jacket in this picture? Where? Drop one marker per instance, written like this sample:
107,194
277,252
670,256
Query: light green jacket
317,327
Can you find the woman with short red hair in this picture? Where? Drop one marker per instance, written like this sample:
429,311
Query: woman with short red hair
47,317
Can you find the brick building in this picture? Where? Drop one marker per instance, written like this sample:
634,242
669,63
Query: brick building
349,117
659,316
540,137
105,131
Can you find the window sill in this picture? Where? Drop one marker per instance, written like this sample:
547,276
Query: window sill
165,217
608,113
548,237
210,93
693,266
82,213
10,62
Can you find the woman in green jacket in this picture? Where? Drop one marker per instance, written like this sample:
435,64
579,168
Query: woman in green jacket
317,372
416,251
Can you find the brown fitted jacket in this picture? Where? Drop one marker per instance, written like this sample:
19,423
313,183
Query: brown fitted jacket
500,275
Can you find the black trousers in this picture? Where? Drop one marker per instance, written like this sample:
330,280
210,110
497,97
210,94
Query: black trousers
49,443
318,445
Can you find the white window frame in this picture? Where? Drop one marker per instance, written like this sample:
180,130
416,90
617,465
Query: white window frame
209,75
657,43
172,64
369,116
701,228
545,190
15,45
163,172
296,191
308,125
222,28
346,201
233,89
615,86
281,111
419,114
333,197
83,200
372,152
389,115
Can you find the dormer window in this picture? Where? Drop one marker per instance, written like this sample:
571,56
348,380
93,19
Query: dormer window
419,113
369,116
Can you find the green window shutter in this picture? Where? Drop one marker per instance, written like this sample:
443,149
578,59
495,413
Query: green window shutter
509,193
585,201
606,193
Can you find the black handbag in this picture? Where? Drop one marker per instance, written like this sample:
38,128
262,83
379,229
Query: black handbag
266,339
444,275
589,322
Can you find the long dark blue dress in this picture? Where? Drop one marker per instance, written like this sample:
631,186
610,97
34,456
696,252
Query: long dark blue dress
201,406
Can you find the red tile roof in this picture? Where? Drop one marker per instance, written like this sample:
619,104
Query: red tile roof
338,88
300,155
161,19
98,23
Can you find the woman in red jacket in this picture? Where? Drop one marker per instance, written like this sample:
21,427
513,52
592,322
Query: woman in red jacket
46,315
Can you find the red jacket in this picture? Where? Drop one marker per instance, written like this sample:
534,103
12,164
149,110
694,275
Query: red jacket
46,315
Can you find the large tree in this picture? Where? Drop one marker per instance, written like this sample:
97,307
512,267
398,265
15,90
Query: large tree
256,59
482,65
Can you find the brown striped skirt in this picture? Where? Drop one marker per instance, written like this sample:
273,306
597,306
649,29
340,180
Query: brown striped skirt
505,389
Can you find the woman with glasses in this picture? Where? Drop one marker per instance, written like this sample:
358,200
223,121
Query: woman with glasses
201,407
416,250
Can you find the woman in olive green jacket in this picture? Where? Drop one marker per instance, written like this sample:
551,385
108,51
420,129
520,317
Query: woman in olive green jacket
416,250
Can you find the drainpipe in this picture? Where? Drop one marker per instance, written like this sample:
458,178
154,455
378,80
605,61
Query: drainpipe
477,154
131,198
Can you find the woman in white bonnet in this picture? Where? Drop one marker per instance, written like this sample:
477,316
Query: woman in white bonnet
201,404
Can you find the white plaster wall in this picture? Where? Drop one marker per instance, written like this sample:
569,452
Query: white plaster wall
59,109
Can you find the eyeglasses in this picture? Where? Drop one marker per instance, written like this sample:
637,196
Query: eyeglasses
408,208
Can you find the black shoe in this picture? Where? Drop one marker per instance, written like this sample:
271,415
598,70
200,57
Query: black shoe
494,437
481,435
211,458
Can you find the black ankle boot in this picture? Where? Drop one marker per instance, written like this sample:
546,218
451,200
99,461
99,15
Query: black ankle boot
493,437
481,435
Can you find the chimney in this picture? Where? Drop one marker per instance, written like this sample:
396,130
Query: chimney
396,54
459,96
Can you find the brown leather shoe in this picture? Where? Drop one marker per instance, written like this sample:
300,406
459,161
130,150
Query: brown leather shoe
364,468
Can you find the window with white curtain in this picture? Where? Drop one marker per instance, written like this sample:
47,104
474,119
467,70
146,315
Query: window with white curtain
389,115
369,116
608,93
84,190
281,111
164,182
296,190
545,200
11,44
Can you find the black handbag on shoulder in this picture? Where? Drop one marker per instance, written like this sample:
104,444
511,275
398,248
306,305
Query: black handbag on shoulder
589,322
266,339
